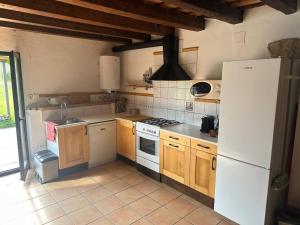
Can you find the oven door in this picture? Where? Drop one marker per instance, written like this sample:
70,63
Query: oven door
147,147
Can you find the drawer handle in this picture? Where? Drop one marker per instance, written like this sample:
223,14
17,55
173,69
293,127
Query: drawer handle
175,138
213,164
132,129
203,146
102,129
175,146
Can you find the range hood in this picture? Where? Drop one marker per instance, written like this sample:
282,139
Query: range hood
170,70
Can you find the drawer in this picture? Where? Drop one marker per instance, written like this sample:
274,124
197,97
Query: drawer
173,145
204,146
177,138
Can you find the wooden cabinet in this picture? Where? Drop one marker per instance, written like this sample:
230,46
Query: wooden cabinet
203,172
73,146
175,138
175,159
126,139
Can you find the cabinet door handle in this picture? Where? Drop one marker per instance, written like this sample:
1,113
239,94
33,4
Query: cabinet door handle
175,138
175,146
86,130
102,129
203,146
133,130
213,163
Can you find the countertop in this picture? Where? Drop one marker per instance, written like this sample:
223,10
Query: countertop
190,131
99,118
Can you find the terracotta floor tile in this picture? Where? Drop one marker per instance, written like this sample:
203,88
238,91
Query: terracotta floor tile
123,216
101,221
163,196
142,222
109,204
183,222
63,193
86,185
84,216
144,205
97,194
204,216
225,222
147,187
37,203
117,186
163,216
47,214
73,203
61,221
103,177
134,178
56,185
129,195
181,206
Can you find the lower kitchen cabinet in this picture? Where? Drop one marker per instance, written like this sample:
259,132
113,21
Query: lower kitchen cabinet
73,146
175,161
203,172
126,139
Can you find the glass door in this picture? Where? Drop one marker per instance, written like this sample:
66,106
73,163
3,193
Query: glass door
19,107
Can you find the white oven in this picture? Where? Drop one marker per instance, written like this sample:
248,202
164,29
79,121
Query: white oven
147,150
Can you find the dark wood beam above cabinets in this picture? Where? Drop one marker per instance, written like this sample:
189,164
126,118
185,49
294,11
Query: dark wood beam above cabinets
56,31
285,6
58,23
139,10
133,46
74,13
215,9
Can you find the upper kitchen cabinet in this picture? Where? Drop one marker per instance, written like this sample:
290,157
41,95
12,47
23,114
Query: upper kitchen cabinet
109,68
72,146
126,139
175,157
203,168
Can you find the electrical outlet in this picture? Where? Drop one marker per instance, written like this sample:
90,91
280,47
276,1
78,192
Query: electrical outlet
189,106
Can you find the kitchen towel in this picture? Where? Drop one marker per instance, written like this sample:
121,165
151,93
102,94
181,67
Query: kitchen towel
51,131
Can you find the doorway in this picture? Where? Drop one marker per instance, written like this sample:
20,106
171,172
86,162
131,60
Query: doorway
13,137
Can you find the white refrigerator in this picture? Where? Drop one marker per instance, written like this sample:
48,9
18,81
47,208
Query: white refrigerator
254,111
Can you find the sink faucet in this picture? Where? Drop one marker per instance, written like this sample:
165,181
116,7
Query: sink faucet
63,105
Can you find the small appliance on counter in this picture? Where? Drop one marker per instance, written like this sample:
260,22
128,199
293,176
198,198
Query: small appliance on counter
120,105
208,124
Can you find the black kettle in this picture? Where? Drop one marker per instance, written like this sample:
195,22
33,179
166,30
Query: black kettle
208,124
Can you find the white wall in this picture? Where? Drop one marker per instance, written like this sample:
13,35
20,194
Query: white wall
261,25
55,64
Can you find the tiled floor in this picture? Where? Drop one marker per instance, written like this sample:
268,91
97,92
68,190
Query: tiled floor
112,194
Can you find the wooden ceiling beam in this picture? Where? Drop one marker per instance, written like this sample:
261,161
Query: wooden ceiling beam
285,6
60,10
139,10
213,9
47,21
61,32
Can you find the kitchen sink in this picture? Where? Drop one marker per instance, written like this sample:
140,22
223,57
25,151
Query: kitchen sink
68,121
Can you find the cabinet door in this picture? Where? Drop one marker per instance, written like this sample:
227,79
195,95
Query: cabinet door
175,161
73,146
203,172
126,139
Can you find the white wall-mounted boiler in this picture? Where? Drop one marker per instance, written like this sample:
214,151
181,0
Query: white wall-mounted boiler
109,68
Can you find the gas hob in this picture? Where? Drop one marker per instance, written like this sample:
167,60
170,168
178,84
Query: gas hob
151,126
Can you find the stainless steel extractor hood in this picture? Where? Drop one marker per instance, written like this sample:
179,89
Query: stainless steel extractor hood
170,70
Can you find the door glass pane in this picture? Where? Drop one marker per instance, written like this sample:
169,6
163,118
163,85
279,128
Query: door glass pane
147,146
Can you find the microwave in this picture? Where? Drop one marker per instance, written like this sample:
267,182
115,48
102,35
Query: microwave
206,89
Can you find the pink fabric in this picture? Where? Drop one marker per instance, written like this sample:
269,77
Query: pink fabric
51,131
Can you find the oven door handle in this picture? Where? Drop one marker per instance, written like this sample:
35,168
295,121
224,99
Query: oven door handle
147,136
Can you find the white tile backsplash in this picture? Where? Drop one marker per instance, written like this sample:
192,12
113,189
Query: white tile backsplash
156,102
164,92
172,103
172,84
171,114
198,119
180,116
189,118
164,103
180,84
164,84
180,93
172,92
150,101
180,105
210,109
199,107
156,92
